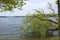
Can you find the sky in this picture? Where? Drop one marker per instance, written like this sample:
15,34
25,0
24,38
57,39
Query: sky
30,7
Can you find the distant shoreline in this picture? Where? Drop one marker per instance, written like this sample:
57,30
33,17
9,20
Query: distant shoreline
17,16
12,16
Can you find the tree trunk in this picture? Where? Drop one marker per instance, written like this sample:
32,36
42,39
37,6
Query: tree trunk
59,14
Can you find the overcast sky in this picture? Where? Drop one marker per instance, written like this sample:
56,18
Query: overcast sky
30,6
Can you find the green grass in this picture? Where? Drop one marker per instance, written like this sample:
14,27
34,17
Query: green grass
53,38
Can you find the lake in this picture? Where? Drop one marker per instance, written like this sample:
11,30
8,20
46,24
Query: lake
10,28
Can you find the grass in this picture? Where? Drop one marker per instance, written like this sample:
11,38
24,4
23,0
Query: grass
34,38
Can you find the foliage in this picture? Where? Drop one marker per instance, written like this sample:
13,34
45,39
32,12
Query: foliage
40,26
40,22
10,4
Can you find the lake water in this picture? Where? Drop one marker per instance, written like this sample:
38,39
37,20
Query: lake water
10,28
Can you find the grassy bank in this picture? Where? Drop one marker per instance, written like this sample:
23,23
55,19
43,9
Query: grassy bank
38,38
